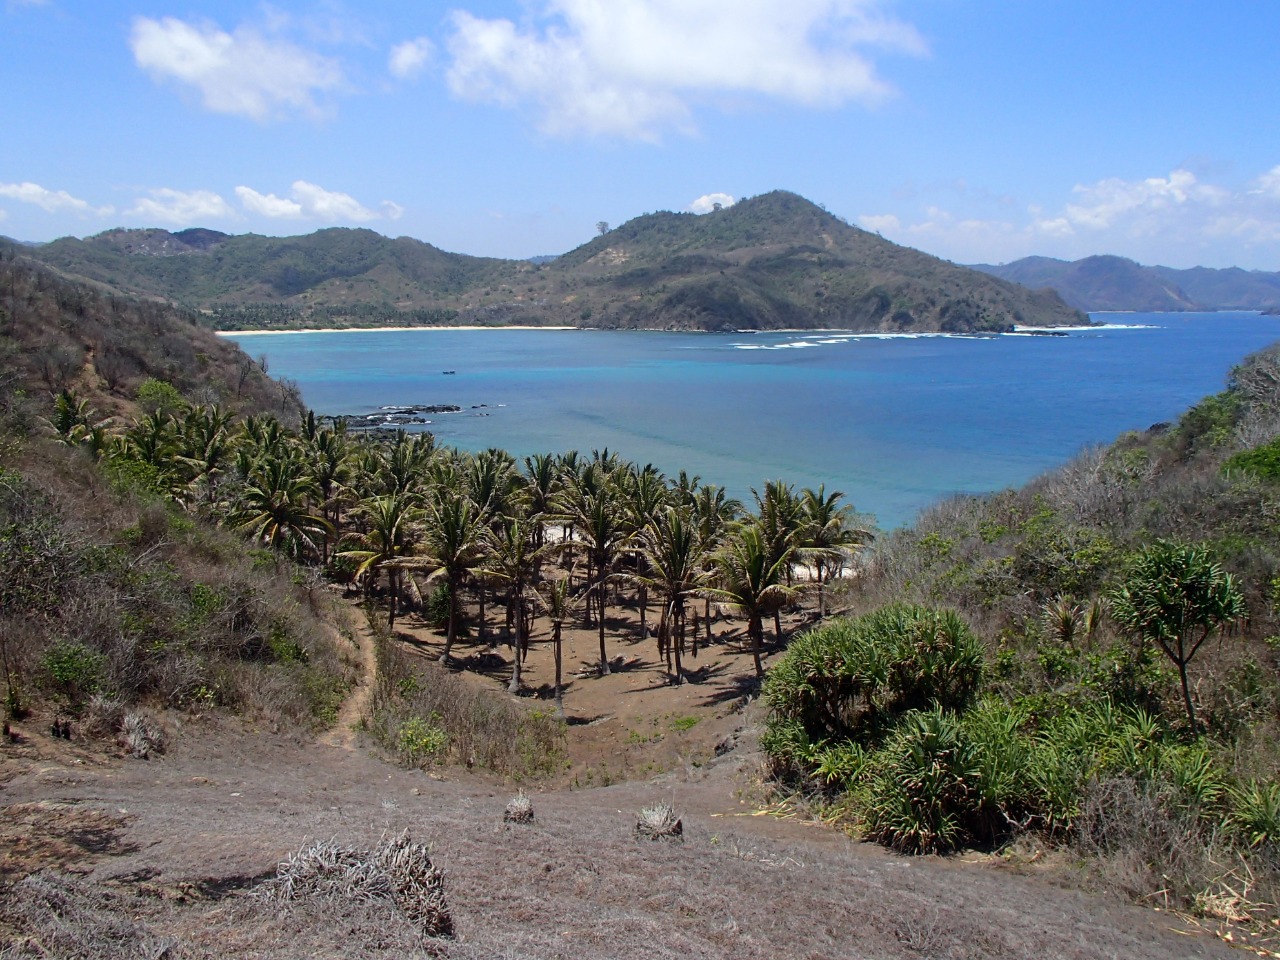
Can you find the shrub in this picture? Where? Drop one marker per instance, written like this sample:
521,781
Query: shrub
423,739
519,809
74,670
843,678
1255,812
659,822
924,789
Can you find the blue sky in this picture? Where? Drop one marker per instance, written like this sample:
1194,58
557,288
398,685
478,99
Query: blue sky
972,129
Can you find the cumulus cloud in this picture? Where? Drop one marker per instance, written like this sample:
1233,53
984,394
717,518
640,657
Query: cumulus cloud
708,202
51,201
636,68
1161,219
183,208
246,72
880,223
306,201
410,58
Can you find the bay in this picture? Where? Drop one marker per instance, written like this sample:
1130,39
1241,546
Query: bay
895,423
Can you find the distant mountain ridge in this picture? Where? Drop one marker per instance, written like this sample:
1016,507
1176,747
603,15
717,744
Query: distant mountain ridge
1117,283
768,262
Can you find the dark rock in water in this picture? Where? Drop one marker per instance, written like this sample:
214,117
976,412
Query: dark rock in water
398,415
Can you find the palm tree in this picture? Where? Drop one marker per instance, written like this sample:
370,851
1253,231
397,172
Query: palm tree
453,544
826,537
673,549
385,543
541,483
779,519
514,557
557,599
1176,596
646,494
275,507
206,450
714,512
749,576
329,455
594,508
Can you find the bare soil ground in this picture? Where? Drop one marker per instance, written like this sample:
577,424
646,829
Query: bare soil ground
102,855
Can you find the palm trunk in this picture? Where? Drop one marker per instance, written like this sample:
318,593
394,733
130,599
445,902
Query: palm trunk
777,627
453,619
1186,697
392,588
677,642
604,658
756,628
559,665
514,687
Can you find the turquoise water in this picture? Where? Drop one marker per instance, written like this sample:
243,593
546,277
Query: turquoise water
895,423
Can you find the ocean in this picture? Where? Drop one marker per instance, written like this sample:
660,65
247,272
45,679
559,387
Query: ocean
895,422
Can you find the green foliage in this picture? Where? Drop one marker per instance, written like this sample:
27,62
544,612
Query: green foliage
1262,461
848,674
1174,596
1211,422
924,787
73,670
423,740
435,605
159,396
1255,812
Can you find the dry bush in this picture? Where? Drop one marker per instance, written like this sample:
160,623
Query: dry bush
659,822
141,735
1136,841
519,809
398,870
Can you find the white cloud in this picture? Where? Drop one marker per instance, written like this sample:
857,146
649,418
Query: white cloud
410,58
1268,185
268,204
880,223
184,208
246,72
51,201
635,68
1146,202
306,201
708,202
1177,219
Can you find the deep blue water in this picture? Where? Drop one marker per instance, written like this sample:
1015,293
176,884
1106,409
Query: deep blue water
894,423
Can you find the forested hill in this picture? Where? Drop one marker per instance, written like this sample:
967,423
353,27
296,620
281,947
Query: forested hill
771,261
1115,283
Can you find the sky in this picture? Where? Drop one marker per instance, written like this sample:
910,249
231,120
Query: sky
975,130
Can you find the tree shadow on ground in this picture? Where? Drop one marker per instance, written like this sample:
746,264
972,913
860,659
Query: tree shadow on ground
738,689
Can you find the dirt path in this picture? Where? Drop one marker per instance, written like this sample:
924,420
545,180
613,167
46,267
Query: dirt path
343,732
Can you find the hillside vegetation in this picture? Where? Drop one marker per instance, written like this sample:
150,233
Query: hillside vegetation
114,601
1090,662
772,261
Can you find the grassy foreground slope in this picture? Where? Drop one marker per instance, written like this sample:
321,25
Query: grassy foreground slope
768,262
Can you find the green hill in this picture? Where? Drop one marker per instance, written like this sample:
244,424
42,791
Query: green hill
773,261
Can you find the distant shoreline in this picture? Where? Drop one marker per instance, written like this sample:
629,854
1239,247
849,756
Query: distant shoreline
841,331
263,333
